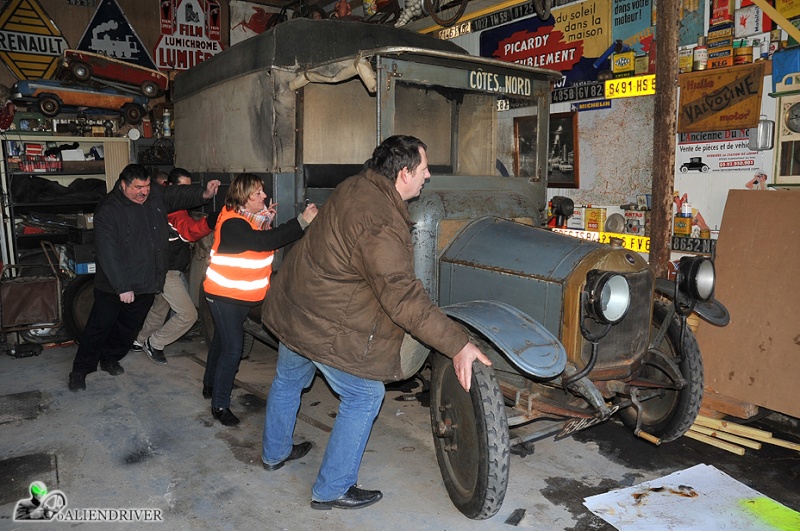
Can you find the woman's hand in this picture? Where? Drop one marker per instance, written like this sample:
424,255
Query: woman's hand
310,212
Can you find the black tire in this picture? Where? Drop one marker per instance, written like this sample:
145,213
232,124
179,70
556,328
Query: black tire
77,300
49,106
445,12
470,432
207,320
670,416
150,89
81,71
133,113
704,169
684,169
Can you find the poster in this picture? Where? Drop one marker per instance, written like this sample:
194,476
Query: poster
717,152
249,19
692,22
109,33
572,41
194,39
632,23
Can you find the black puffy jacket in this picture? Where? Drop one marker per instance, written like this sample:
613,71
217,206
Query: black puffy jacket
132,239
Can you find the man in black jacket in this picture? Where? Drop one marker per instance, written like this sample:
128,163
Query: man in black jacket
131,235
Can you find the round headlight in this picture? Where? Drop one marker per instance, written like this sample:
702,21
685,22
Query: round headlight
697,277
609,296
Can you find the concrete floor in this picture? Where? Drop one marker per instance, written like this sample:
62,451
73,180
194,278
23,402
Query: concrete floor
146,439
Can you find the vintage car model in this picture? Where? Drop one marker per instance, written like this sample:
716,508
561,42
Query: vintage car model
50,97
578,331
114,72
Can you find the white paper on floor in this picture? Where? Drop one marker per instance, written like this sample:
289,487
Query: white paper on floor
700,498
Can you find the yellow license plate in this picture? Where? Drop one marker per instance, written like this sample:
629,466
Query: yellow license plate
628,87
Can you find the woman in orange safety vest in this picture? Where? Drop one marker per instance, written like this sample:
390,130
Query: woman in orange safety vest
237,279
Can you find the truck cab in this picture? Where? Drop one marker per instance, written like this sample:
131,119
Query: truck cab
577,331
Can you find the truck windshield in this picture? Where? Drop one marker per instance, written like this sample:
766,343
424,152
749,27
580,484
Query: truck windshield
470,133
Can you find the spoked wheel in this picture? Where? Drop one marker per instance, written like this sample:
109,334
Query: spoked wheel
669,415
470,432
445,12
77,300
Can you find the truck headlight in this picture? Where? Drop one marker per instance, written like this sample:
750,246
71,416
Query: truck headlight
697,277
609,296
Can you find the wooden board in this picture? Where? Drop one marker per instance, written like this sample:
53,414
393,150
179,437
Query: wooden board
756,358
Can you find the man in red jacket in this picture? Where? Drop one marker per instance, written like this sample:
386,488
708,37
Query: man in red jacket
156,334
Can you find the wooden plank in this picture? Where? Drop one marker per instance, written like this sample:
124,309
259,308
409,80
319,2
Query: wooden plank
732,427
728,405
738,450
755,445
782,443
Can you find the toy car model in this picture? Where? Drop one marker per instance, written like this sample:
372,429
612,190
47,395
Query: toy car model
694,164
50,97
122,74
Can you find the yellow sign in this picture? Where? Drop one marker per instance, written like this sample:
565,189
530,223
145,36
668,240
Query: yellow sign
640,244
30,43
627,87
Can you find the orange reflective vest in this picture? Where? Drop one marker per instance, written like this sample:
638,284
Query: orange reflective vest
242,276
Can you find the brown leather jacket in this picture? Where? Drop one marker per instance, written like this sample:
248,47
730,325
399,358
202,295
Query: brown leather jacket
346,294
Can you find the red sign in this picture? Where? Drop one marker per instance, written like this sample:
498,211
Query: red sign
195,36
544,48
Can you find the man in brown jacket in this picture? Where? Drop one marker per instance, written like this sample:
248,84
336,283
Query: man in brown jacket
342,303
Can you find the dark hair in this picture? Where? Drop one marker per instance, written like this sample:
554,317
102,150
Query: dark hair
240,189
176,174
134,171
394,154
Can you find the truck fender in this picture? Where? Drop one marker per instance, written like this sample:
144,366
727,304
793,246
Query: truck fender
711,311
524,341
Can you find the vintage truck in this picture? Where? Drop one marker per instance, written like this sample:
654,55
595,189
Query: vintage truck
578,331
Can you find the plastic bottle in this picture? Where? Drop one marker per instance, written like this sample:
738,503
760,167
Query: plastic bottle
167,118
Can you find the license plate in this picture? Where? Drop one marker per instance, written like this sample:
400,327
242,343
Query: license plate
579,424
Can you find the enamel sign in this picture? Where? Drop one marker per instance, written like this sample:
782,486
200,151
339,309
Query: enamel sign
195,34
109,33
30,43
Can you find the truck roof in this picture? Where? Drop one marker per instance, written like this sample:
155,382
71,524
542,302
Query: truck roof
301,44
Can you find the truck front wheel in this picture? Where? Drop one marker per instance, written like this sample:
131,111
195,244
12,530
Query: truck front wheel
668,412
470,432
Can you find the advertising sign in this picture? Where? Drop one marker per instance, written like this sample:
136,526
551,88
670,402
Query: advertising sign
571,41
109,33
716,152
30,43
194,39
633,24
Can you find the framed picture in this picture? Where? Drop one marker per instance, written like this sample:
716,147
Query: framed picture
562,151
525,134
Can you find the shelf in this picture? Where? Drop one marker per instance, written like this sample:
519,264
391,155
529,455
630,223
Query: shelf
56,173
54,204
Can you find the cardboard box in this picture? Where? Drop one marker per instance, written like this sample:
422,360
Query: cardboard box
722,11
637,222
721,30
749,21
81,253
82,269
622,64
86,221
595,219
576,221
79,235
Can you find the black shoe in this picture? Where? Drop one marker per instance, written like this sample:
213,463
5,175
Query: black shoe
225,416
77,381
354,498
156,355
208,392
298,451
112,367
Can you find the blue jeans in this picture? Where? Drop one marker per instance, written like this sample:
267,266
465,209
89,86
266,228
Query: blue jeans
225,351
360,402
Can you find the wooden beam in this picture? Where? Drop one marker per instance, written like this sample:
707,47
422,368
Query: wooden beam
729,406
664,131
738,450
741,441
732,427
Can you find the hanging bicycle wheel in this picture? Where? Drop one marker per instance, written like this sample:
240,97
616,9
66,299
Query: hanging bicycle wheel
445,12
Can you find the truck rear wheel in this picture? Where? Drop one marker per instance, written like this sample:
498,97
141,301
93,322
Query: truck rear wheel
670,415
470,432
